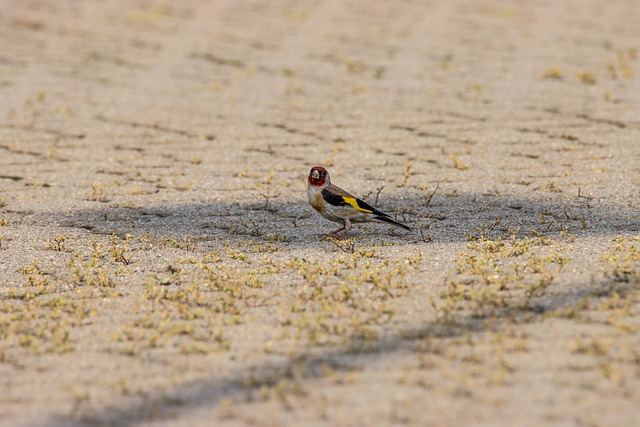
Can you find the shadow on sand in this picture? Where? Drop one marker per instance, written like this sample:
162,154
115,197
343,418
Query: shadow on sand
446,220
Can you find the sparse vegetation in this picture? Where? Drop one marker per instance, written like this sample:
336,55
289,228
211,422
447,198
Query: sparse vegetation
553,73
159,262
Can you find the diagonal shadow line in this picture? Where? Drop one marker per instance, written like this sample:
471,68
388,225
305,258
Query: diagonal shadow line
468,211
311,365
185,398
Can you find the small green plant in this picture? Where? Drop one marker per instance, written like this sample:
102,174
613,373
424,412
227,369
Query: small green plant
586,77
553,73
98,193
118,251
408,172
57,243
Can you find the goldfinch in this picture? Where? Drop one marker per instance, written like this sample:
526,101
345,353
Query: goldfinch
337,205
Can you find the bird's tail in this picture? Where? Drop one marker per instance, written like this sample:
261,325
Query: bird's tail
390,221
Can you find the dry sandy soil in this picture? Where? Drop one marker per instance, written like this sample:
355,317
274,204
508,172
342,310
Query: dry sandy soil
160,264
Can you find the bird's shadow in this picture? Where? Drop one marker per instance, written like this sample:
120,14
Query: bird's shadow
445,219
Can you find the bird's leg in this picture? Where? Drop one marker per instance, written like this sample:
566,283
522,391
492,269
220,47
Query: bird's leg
338,234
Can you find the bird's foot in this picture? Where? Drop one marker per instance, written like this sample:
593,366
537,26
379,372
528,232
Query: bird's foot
336,235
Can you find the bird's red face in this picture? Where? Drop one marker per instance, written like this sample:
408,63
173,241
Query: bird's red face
318,176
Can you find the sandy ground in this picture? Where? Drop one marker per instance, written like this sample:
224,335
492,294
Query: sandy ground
160,265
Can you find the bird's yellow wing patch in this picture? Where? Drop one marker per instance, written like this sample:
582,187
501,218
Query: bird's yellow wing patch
353,202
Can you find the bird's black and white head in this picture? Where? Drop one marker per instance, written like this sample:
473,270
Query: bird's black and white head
318,177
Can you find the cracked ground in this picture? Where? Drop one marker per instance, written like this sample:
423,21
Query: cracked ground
160,264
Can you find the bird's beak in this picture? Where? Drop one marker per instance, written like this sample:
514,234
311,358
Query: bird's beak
315,174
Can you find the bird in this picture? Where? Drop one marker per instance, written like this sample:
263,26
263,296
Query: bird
337,205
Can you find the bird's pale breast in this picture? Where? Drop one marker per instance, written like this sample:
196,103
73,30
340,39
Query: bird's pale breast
316,200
